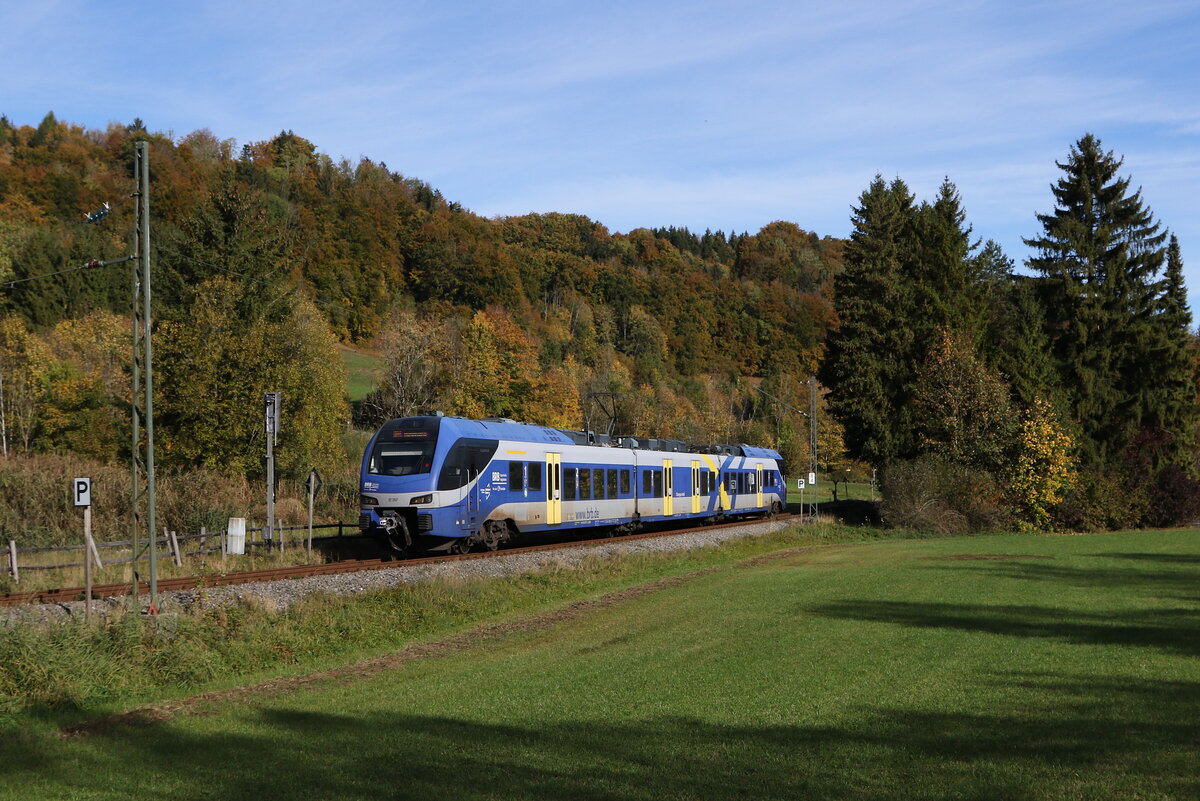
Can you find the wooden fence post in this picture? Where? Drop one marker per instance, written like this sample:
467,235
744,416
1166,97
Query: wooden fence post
12,561
173,544
94,553
203,538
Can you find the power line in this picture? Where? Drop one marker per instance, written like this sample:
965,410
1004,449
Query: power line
94,263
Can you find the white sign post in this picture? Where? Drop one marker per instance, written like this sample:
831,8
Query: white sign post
83,497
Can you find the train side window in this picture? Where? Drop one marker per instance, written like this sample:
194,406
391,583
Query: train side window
535,476
585,484
465,461
658,484
570,479
612,483
516,476
647,482
750,480
624,482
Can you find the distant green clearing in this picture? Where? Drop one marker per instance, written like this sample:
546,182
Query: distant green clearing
823,492
990,667
362,370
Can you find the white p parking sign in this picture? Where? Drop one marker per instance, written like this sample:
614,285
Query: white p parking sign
83,491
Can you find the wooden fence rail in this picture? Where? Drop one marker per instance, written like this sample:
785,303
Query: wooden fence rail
171,544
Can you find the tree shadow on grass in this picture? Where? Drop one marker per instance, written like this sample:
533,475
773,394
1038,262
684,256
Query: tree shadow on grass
1167,583
1060,735
1168,558
1169,630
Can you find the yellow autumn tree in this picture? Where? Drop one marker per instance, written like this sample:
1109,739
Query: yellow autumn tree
1044,468
23,362
556,397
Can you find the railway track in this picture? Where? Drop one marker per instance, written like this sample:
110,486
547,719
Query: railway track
67,594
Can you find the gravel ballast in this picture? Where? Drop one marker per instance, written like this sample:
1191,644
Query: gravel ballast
281,594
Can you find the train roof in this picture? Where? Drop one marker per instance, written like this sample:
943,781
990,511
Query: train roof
505,428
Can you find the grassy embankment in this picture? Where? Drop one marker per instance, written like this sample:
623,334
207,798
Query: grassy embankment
362,371
987,667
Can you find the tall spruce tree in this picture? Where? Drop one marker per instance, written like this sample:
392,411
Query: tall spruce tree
869,366
1100,253
1168,370
949,296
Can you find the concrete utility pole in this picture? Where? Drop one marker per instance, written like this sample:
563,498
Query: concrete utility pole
143,379
272,400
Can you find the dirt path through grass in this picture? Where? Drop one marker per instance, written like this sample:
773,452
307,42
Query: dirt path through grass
477,637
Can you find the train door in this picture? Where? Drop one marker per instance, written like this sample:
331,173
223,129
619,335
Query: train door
758,485
668,487
553,488
695,486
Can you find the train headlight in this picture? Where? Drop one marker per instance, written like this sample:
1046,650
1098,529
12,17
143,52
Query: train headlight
421,499
367,500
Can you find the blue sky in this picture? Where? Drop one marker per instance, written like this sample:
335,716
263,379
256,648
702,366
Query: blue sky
722,115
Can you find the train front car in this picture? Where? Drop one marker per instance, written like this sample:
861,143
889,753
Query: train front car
448,482
398,478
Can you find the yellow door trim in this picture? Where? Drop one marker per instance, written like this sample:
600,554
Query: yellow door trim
553,489
668,489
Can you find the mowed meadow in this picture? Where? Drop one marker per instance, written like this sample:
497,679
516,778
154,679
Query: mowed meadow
1015,666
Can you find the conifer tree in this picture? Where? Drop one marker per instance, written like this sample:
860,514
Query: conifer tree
1099,252
869,366
948,295
1168,370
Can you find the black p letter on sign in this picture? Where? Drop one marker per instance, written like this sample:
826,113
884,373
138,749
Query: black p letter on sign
83,491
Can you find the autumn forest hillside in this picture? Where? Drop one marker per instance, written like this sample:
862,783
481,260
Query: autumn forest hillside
519,316
1014,397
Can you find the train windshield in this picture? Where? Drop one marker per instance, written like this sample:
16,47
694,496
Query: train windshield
404,447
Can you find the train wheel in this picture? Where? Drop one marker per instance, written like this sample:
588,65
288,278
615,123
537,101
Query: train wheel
396,531
462,545
493,533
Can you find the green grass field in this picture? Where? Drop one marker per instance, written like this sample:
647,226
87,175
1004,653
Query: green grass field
824,492
1014,667
362,371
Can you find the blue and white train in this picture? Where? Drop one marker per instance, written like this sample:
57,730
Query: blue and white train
450,482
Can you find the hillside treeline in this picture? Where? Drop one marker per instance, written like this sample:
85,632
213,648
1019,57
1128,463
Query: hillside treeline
269,255
1058,396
